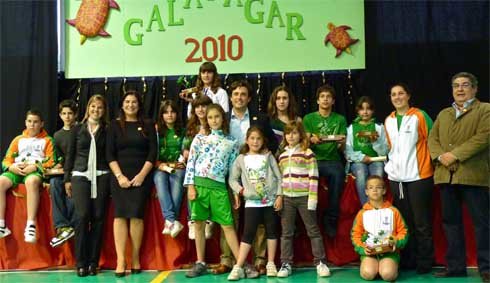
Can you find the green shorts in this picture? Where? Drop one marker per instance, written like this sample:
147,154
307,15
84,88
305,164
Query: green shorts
212,202
19,179
394,256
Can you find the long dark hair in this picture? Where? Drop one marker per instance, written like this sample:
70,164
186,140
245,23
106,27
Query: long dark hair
208,67
139,115
162,127
193,124
245,148
272,107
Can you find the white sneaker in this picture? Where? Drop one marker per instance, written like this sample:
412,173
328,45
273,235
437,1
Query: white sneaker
236,273
285,270
30,234
176,228
167,228
271,269
192,233
4,232
208,231
322,270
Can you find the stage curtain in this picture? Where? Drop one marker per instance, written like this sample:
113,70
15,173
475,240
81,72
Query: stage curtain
28,65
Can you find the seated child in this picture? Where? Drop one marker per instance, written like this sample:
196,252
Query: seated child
170,166
365,140
27,157
378,224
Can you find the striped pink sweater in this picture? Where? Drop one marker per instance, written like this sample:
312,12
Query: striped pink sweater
299,174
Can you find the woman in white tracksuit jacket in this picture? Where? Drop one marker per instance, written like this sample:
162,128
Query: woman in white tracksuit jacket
410,172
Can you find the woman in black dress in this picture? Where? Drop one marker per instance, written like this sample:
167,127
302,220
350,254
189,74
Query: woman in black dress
131,152
87,181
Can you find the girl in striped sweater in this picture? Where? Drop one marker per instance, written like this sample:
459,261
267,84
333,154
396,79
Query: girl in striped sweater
300,189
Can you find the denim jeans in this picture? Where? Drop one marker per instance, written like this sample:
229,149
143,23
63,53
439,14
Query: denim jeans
62,206
334,172
361,171
170,192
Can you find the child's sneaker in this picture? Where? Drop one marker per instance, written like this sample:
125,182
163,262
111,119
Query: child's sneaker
167,228
251,271
271,269
285,270
192,233
62,236
236,273
208,231
322,270
30,234
4,232
176,228
197,269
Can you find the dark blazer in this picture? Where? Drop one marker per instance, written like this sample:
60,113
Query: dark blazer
76,158
262,121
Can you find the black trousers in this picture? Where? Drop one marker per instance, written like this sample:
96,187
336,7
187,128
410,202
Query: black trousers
91,215
260,215
414,201
477,202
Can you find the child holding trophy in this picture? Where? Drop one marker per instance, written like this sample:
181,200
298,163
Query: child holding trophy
378,232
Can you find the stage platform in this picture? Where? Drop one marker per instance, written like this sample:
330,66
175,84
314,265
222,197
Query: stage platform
349,274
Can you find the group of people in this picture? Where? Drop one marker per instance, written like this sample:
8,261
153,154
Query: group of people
228,157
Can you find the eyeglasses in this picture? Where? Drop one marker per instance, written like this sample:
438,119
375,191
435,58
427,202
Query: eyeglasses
463,85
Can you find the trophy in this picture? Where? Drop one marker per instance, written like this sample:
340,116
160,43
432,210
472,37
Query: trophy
381,244
189,91
381,249
372,135
331,138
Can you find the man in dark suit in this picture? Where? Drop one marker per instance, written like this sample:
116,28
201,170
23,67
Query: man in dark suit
241,118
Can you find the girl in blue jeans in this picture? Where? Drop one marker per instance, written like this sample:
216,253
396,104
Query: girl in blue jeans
170,166
365,140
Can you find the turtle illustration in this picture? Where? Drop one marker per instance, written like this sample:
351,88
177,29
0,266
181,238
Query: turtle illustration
91,18
339,38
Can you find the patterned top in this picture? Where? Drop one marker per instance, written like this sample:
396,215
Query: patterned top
256,169
210,157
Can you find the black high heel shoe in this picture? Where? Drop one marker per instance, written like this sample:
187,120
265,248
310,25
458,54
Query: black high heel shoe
82,272
120,274
92,270
135,270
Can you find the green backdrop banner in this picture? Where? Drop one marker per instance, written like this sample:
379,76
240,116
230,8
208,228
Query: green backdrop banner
117,38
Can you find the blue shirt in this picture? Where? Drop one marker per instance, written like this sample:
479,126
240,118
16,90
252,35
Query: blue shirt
466,104
239,127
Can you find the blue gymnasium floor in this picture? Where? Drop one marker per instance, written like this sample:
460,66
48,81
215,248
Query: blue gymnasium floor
348,274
